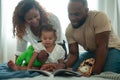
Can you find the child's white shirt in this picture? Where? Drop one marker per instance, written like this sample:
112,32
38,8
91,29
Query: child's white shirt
57,53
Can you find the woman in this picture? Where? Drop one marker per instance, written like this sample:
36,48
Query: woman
28,18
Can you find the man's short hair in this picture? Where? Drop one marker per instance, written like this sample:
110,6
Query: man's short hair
84,2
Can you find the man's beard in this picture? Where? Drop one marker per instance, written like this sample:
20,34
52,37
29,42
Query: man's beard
80,23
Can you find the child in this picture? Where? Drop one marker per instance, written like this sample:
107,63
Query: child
41,51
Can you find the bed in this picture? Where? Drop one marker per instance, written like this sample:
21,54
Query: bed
7,74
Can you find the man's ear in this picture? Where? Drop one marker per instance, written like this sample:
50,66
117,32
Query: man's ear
87,9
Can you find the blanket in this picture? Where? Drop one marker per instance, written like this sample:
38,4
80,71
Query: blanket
109,75
7,73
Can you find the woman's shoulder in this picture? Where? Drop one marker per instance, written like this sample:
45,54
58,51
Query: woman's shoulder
52,17
50,14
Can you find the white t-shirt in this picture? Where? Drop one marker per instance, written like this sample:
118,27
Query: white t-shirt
29,37
57,53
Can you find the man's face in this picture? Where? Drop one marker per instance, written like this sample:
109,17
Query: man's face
77,14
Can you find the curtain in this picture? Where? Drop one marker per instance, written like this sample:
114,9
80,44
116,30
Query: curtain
118,17
0,35
7,41
112,9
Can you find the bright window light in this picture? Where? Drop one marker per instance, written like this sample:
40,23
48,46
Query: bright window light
93,4
59,8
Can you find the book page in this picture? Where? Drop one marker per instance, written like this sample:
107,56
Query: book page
59,72
65,72
43,72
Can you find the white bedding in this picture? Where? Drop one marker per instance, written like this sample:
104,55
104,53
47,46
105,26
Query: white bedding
59,78
102,76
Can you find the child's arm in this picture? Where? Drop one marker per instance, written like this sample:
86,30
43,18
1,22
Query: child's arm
61,61
32,60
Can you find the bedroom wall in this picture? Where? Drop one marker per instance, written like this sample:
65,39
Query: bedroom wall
7,39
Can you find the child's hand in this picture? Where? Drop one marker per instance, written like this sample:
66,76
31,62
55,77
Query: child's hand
42,56
48,67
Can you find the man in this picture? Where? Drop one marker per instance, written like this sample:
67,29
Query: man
93,31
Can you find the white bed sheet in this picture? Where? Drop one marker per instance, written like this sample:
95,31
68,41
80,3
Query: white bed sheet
102,76
41,77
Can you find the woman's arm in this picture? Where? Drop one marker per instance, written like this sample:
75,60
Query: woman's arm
101,51
21,47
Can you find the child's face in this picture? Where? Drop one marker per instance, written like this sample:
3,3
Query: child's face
48,38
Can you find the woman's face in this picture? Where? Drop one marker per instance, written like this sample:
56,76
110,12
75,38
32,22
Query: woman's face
32,17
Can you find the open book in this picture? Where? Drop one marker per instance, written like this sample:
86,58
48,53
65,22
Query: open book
59,72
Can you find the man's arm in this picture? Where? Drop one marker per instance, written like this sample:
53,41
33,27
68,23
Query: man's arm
101,51
73,54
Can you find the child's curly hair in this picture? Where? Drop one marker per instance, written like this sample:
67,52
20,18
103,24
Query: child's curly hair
48,28
19,16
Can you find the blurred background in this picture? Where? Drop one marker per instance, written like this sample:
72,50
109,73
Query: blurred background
59,8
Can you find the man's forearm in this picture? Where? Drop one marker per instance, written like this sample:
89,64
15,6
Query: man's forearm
100,59
71,60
